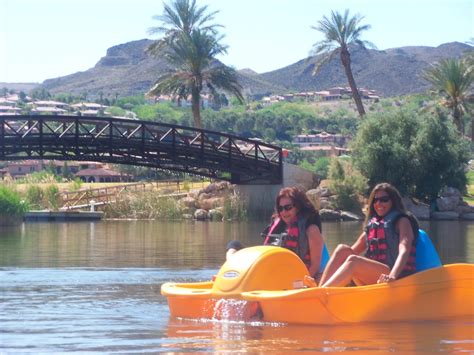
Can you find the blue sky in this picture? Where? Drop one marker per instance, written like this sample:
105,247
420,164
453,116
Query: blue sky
42,39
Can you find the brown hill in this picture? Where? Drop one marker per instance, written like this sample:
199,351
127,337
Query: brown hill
127,70
391,72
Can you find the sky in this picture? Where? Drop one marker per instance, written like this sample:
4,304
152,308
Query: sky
44,39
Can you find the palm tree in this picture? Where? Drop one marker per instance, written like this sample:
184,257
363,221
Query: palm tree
340,32
181,16
453,77
194,67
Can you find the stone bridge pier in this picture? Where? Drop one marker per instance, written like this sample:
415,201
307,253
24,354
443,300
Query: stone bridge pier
260,199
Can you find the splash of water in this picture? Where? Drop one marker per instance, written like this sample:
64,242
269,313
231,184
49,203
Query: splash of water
236,310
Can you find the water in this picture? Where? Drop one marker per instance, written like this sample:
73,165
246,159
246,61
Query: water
95,287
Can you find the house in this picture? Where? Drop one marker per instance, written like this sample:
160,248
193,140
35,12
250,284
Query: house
102,174
51,107
323,138
328,150
90,109
327,96
8,110
20,169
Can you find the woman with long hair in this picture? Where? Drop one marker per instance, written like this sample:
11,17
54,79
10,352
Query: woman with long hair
295,225
386,249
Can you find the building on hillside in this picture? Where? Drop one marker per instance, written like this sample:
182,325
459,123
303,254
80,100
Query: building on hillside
48,107
328,150
90,109
102,174
3,173
323,138
20,169
327,96
8,110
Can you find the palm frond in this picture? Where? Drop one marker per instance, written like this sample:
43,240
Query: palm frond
323,60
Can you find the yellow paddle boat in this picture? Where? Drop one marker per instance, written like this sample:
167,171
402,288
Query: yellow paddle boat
272,282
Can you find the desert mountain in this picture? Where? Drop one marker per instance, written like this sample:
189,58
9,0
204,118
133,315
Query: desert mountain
127,70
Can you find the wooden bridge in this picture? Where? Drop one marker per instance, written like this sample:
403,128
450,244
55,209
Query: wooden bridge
132,142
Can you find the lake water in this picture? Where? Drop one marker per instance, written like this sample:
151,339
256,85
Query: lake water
95,287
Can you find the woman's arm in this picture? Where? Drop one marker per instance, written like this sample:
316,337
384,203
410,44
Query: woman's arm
315,243
360,245
404,247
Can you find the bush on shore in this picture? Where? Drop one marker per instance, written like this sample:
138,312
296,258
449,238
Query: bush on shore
11,204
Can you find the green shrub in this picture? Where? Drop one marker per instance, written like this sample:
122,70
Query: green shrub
419,153
234,209
11,203
347,184
34,196
76,184
52,197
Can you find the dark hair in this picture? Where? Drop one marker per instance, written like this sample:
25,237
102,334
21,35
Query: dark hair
299,199
394,195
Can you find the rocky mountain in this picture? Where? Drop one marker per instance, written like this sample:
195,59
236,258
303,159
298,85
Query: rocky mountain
128,70
391,72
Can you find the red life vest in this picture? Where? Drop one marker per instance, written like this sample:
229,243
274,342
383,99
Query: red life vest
383,240
295,238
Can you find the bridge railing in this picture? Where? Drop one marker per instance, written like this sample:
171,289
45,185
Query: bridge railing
173,147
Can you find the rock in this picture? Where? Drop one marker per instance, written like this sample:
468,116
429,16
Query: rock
349,216
188,202
325,204
445,216
188,210
467,216
204,196
187,216
209,189
420,210
329,215
201,215
324,191
450,192
313,196
447,203
462,209
216,214
210,203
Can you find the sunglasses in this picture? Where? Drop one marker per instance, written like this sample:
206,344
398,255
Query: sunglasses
383,199
285,207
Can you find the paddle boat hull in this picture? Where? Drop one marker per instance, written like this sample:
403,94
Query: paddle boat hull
270,282
441,293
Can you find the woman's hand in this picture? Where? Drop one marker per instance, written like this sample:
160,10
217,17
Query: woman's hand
385,278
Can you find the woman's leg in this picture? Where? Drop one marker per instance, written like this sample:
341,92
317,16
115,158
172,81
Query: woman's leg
365,271
338,257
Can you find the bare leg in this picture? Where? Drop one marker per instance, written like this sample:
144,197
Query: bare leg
366,271
339,256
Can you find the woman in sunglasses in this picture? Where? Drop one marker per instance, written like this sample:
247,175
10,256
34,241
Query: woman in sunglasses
388,241
296,226
296,222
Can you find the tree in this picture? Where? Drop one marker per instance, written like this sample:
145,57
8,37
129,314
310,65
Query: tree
453,77
418,153
190,45
181,16
340,32
194,67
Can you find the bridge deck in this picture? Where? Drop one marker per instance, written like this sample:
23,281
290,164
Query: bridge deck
142,143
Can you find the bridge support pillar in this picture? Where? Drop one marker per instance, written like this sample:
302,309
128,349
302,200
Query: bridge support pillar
260,199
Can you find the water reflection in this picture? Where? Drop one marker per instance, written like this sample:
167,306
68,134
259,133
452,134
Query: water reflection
177,244
361,338
96,287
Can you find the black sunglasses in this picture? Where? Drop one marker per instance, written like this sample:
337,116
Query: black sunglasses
285,207
383,199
